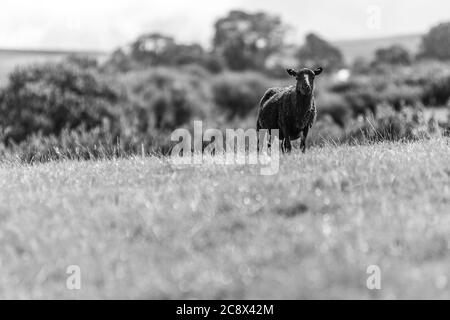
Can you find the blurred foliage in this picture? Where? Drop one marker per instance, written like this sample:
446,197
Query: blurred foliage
436,43
163,98
318,52
361,65
239,94
83,109
335,106
391,125
394,55
82,61
242,41
437,92
81,144
49,98
156,49
246,40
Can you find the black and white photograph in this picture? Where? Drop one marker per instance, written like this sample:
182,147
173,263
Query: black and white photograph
233,150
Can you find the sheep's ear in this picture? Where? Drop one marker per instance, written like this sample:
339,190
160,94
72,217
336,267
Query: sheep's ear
291,72
318,71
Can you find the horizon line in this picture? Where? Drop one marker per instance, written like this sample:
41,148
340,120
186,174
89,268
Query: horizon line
34,50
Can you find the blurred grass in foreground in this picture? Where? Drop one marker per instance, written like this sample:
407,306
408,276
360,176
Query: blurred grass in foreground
139,228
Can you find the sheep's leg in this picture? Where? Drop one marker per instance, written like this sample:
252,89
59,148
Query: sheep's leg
305,135
285,141
260,138
257,138
287,144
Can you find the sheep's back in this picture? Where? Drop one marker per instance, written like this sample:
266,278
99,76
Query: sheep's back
269,107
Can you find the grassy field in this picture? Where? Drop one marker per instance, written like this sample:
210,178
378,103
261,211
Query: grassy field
140,228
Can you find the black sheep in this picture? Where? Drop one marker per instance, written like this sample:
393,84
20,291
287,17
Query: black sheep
291,110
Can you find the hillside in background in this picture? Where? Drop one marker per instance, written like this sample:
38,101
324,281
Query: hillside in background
365,48
351,50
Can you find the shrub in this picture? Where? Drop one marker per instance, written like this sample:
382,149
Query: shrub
360,94
389,125
400,96
335,106
426,82
49,98
345,86
394,55
361,66
82,61
362,100
239,94
119,61
167,98
437,91
436,43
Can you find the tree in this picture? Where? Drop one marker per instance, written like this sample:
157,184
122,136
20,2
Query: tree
436,43
316,51
195,54
245,40
154,49
393,55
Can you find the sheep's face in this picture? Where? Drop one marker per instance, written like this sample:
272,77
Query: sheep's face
305,79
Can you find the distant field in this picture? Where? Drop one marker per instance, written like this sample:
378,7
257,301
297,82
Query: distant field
141,228
9,59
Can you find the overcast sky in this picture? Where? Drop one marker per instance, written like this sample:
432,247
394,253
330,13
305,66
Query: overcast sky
106,24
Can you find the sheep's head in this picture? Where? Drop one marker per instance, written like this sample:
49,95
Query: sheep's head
305,79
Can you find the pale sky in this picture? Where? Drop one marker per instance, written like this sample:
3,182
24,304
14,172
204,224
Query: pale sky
107,24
